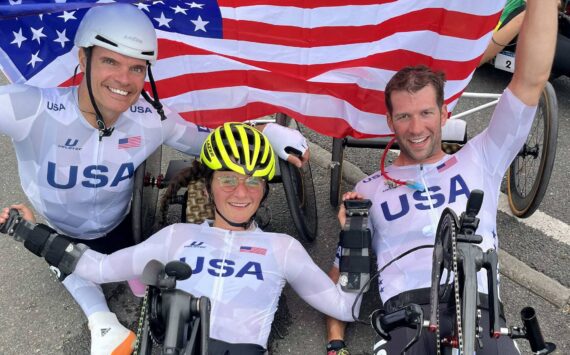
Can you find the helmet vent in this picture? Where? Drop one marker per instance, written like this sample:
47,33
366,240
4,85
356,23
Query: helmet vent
105,40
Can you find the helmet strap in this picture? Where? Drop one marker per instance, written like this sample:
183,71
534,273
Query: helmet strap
244,225
155,103
103,130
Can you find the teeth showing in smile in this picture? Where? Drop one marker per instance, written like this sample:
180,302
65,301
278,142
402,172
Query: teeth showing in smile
117,91
235,204
418,140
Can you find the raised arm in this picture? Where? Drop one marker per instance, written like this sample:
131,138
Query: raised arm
535,50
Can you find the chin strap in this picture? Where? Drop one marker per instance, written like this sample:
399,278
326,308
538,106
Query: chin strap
104,131
244,225
155,103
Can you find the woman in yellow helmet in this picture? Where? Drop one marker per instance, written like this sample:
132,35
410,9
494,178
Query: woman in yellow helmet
233,153
239,267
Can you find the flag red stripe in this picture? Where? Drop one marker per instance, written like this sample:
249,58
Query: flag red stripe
300,3
453,24
333,127
364,99
392,60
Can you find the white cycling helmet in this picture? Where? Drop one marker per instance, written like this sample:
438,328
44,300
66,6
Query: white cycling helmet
121,28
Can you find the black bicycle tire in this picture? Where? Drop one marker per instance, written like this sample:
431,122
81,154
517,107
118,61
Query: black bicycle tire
524,206
300,199
337,157
145,198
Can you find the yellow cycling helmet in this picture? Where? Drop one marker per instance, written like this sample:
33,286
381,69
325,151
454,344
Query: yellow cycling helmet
241,148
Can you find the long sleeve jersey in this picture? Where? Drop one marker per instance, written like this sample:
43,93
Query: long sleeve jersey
402,218
80,184
243,274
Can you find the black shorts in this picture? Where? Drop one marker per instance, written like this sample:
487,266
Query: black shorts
218,347
119,238
426,344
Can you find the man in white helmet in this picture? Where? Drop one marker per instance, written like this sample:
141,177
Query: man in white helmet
78,147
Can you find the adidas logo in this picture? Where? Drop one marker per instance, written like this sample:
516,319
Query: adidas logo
104,331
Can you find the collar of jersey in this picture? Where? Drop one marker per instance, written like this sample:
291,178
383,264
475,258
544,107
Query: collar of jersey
207,224
426,167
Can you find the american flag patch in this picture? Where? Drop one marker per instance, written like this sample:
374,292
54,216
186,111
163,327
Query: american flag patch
254,250
448,164
130,142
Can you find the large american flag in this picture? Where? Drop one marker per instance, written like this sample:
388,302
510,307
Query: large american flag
323,62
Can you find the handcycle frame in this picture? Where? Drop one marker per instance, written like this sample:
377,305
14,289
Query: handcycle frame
456,241
180,320
297,184
524,196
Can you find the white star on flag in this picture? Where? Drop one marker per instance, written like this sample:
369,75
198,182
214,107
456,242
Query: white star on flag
68,16
194,5
200,24
61,38
18,38
38,34
162,20
35,59
178,9
143,6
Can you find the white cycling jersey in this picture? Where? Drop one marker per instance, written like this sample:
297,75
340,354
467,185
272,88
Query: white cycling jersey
402,218
83,186
243,274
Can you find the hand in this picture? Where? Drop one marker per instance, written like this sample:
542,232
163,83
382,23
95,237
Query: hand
299,160
25,212
351,195
289,144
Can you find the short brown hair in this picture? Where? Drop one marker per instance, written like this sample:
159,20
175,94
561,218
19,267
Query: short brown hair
413,79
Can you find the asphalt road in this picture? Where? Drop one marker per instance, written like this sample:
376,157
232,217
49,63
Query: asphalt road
38,316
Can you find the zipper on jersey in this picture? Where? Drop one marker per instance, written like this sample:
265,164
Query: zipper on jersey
219,280
96,190
432,211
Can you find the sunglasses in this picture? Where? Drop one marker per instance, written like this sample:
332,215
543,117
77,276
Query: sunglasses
229,183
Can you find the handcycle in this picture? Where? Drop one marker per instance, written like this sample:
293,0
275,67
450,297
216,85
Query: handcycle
175,320
297,184
456,250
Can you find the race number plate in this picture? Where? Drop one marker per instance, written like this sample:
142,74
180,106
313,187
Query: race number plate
505,61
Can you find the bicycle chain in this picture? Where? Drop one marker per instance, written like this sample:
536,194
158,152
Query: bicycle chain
456,288
456,296
141,322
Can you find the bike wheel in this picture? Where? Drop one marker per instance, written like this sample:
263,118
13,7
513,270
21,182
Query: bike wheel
299,193
529,173
145,197
336,170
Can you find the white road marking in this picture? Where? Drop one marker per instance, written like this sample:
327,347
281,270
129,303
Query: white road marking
540,221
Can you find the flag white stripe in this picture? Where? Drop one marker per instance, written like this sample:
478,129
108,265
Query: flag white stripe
364,77
197,64
351,15
314,105
422,42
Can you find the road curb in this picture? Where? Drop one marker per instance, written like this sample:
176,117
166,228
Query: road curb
511,267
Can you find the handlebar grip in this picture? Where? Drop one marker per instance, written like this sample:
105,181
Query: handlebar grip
294,151
13,215
474,203
533,333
